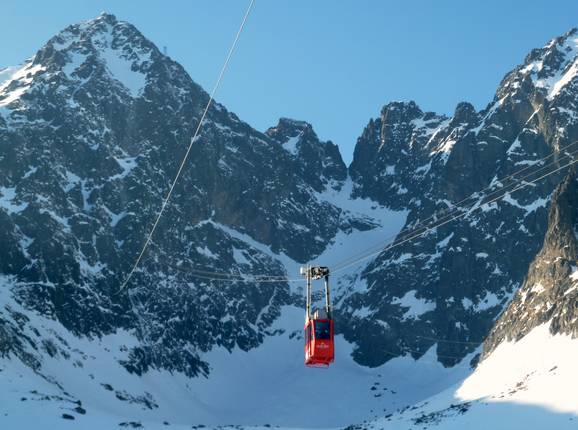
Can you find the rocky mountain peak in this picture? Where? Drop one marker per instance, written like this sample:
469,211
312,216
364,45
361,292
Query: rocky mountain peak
107,17
393,153
95,126
465,114
92,56
400,111
102,66
561,236
319,161
549,72
422,162
288,128
103,45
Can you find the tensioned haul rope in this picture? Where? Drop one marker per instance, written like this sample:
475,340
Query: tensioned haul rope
471,210
445,222
194,138
512,176
457,208
238,278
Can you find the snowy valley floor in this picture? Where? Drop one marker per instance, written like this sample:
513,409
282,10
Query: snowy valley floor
269,385
527,385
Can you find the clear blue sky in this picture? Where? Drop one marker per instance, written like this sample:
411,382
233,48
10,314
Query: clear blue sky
333,63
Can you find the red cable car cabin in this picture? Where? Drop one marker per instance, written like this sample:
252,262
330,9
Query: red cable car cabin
319,349
318,335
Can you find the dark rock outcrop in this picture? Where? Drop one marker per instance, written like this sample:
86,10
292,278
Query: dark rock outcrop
550,290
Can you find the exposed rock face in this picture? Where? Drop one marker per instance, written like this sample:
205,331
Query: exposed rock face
550,291
391,150
319,162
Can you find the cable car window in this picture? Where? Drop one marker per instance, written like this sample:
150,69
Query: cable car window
307,334
322,330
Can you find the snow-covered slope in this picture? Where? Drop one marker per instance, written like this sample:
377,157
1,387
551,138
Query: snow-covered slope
529,384
539,369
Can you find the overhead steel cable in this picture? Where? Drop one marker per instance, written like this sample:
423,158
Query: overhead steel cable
145,333
512,176
426,230
457,207
437,339
193,139
231,277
